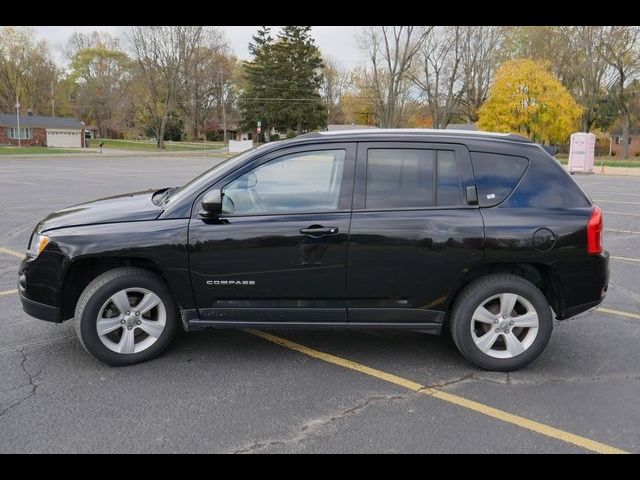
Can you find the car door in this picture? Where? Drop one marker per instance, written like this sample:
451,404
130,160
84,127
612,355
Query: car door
414,233
278,251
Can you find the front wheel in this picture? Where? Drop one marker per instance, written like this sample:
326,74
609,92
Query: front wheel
501,322
125,316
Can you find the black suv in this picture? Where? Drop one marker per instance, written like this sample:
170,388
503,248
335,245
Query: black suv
484,234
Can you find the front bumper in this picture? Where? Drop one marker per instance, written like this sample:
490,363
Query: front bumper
39,310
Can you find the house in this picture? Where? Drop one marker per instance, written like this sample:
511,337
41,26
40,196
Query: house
41,131
616,142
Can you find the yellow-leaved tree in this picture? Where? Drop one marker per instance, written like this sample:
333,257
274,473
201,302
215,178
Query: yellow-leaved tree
528,100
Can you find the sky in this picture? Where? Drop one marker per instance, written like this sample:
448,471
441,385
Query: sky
337,43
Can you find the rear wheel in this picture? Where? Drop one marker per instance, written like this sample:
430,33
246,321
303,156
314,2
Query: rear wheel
125,316
501,322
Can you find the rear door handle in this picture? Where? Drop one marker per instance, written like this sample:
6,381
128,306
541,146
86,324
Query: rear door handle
319,230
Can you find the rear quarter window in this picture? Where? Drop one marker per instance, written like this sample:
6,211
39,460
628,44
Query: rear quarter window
496,176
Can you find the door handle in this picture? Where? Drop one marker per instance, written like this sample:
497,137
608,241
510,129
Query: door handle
319,230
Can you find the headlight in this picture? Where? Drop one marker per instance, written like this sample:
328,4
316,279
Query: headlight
37,244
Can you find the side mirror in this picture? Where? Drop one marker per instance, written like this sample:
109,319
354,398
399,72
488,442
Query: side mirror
211,204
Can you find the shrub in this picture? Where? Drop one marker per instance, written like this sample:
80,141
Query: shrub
291,134
275,137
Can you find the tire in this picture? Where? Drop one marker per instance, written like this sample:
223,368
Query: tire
131,338
504,353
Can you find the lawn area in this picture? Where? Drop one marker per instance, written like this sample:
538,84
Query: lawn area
147,145
608,161
38,150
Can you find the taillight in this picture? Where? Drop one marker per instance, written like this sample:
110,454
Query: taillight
594,232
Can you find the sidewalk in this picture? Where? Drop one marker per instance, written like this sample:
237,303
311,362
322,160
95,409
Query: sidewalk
94,153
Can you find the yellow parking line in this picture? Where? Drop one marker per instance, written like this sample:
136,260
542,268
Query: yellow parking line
626,259
8,292
517,420
619,313
8,251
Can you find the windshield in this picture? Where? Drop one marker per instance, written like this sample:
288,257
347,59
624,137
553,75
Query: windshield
175,194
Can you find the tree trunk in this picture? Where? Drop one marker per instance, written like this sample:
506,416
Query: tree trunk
160,133
625,135
299,130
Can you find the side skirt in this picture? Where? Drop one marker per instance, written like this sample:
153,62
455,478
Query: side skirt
425,321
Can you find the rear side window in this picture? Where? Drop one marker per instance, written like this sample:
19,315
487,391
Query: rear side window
412,178
496,176
399,178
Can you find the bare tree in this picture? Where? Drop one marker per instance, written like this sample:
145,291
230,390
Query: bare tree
621,50
391,52
160,53
205,72
335,83
586,75
440,80
479,62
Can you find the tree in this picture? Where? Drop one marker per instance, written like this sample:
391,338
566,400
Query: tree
27,72
441,78
586,74
479,62
335,84
527,99
391,51
256,102
100,74
299,65
621,50
161,53
205,77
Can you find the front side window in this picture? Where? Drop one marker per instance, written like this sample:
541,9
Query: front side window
298,183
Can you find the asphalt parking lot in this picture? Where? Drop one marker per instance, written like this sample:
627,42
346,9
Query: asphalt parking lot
342,392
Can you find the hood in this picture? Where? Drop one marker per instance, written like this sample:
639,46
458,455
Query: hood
132,207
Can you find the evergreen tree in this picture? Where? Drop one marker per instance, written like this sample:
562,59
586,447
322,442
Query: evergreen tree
298,64
256,102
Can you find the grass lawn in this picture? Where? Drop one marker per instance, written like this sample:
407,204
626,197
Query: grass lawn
38,150
608,161
146,145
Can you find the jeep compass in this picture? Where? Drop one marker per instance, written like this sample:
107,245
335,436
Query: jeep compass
482,234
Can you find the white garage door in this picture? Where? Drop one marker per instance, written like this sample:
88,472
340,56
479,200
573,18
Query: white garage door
64,138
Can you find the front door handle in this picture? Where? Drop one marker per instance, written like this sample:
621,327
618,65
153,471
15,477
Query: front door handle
319,230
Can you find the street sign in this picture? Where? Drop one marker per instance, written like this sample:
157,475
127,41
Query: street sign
259,123
258,129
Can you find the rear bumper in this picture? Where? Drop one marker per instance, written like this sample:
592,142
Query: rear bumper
585,287
39,310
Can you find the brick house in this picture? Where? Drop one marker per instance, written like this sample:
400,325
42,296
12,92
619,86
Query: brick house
634,142
41,131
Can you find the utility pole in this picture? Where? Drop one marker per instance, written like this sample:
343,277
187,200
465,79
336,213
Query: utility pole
53,102
18,120
224,108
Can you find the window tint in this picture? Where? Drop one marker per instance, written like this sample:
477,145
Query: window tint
297,183
496,176
449,190
399,178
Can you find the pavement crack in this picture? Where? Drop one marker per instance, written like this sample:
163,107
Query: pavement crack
313,427
33,386
448,383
